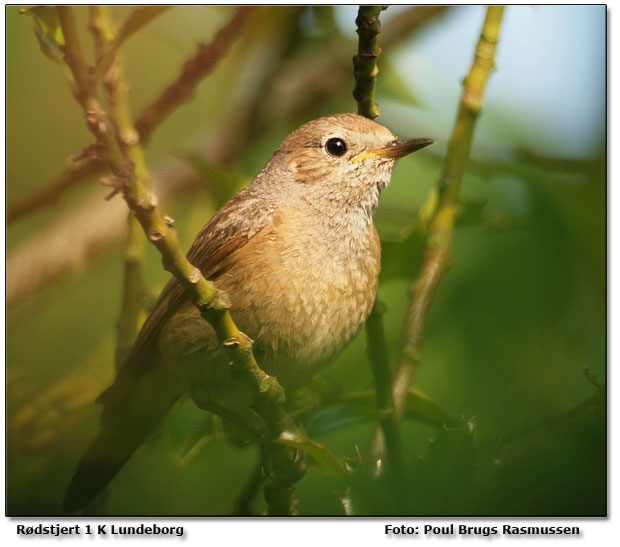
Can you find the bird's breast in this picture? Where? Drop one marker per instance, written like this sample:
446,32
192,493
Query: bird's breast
302,289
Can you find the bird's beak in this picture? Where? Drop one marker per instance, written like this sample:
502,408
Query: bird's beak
396,149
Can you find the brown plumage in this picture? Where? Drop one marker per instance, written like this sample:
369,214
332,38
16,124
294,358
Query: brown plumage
299,257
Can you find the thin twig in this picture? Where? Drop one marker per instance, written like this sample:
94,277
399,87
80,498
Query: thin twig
395,30
210,301
194,70
283,465
134,287
198,67
438,243
32,266
365,67
76,172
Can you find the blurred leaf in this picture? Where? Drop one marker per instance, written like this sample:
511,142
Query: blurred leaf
321,455
470,212
452,453
440,483
444,477
418,407
542,469
334,417
47,30
306,401
359,407
401,258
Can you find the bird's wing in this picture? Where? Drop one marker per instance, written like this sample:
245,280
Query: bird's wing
143,392
238,221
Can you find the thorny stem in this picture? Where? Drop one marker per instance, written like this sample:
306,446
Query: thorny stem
365,67
437,253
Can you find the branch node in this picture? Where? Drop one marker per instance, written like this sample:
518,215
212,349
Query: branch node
169,221
156,235
96,120
129,137
93,151
195,276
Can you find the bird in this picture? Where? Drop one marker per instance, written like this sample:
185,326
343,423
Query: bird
299,256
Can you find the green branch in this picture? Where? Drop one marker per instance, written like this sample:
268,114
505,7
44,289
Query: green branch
408,22
365,62
210,301
284,465
117,91
389,441
181,90
445,195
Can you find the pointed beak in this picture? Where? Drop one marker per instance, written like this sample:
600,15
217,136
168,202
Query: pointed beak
396,149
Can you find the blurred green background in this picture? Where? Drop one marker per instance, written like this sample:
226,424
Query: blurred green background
515,323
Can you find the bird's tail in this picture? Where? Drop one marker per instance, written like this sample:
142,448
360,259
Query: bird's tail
129,415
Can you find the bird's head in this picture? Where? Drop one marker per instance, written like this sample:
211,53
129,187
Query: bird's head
346,159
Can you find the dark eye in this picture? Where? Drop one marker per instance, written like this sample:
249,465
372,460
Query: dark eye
336,147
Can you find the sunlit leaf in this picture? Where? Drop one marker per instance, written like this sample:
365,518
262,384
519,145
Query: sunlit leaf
47,30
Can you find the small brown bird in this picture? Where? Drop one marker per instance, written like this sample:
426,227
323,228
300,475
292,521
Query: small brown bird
299,256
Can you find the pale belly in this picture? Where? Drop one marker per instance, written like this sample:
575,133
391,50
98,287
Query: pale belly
300,315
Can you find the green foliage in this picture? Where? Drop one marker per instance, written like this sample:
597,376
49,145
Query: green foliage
501,419
47,30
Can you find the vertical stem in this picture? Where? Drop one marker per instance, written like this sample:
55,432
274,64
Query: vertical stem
365,71
365,67
379,356
134,290
243,503
439,239
117,92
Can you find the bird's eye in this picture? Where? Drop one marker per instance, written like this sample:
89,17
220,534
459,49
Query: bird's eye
336,147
